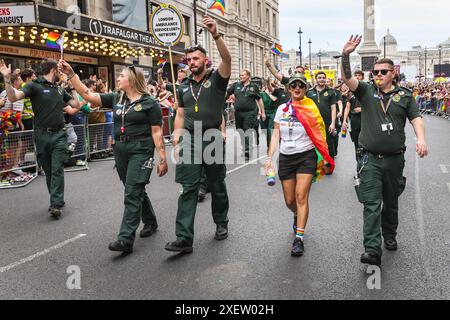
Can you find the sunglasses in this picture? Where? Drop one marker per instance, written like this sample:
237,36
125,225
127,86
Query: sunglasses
297,85
383,72
195,48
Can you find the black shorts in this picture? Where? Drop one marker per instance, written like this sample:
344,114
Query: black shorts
299,163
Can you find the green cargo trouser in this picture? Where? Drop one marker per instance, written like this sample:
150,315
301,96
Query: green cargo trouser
269,124
130,158
336,137
52,152
382,182
189,176
246,121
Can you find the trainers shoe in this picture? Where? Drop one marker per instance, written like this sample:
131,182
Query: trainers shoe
391,244
55,213
148,231
121,246
371,258
221,232
57,207
297,248
179,246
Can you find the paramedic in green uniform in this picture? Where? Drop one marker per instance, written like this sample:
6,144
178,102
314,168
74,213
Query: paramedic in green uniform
201,105
325,99
49,102
380,182
248,105
339,112
137,132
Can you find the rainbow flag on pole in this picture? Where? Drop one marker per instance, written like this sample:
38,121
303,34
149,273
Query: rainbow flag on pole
277,49
217,5
161,63
54,40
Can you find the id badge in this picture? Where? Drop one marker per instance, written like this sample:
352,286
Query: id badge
290,143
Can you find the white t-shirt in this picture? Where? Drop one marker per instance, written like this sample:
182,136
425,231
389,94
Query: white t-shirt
14,106
296,142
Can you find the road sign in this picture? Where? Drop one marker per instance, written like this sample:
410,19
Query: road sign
167,25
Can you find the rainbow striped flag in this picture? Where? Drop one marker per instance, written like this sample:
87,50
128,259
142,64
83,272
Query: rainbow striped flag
308,115
162,62
217,5
277,49
54,40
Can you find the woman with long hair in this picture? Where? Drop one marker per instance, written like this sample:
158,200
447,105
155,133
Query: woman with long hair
300,133
137,131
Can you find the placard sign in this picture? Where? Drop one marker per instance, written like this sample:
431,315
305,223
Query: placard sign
167,25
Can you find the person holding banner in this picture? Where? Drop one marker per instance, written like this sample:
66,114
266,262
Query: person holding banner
49,102
379,182
137,132
201,105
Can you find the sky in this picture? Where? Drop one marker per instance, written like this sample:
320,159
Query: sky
329,23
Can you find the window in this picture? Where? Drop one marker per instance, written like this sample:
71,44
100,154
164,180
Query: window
258,14
238,7
268,19
249,11
241,55
187,24
252,59
261,54
83,6
274,25
49,2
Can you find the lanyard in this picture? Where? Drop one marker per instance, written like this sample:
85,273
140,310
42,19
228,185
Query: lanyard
291,121
383,106
131,105
196,97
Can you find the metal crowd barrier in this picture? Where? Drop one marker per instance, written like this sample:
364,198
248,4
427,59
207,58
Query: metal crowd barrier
229,112
18,163
100,137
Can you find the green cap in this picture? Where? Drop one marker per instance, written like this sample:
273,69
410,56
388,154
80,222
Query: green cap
297,76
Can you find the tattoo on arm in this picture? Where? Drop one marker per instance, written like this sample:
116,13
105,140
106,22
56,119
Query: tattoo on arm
346,66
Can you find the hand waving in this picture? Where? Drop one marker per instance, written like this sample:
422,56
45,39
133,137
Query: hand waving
5,70
352,44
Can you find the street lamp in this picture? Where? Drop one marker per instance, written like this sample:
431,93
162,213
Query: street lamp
420,67
300,47
309,42
337,63
195,22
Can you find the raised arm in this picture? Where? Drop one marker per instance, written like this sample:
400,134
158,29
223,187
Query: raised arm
351,45
87,95
13,94
271,68
225,64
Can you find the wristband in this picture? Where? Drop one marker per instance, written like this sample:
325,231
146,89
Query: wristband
217,37
70,78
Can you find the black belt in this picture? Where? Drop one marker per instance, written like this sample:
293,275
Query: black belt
132,138
56,129
386,155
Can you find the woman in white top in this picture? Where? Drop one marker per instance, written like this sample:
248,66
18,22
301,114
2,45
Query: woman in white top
297,162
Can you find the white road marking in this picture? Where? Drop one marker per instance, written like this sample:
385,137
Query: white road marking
444,168
41,253
245,165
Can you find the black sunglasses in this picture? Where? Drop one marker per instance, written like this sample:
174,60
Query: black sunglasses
300,85
132,69
383,72
195,48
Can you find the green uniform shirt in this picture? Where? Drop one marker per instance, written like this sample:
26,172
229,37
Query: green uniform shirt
246,96
324,100
282,96
403,106
48,101
211,92
268,103
141,115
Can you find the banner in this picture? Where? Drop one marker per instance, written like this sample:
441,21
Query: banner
330,74
16,15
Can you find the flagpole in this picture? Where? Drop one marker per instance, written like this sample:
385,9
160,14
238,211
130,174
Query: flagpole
173,76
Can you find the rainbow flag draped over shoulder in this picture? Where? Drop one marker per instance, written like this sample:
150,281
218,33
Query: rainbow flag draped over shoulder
308,115
217,5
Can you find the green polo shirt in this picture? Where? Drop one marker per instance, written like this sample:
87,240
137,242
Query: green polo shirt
48,101
282,96
324,100
403,106
211,91
139,115
246,96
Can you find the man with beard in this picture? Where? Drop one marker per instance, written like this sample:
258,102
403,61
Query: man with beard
325,99
202,102
49,102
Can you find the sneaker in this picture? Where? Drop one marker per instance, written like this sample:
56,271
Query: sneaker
55,213
391,244
80,163
221,232
121,246
148,231
179,246
297,248
371,258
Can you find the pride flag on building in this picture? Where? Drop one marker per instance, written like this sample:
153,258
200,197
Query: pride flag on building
217,5
277,49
